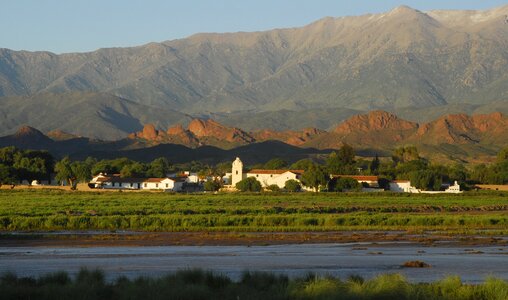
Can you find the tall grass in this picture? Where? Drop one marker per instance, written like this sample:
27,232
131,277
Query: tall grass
198,284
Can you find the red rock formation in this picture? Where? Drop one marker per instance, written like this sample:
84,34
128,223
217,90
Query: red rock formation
374,121
211,128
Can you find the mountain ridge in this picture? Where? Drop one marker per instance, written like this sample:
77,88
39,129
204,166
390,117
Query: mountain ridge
403,60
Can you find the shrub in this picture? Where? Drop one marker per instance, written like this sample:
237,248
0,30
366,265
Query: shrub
249,184
211,186
292,186
273,188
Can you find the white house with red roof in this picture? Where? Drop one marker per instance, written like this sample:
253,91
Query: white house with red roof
114,181
265,177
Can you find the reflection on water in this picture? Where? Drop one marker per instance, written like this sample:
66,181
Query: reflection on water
341,260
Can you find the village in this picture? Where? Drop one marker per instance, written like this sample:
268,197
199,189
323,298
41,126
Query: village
191,182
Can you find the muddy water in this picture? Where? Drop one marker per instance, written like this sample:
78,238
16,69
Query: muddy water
341,260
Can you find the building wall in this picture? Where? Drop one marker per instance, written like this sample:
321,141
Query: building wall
120,185
237,172
165,184
269,179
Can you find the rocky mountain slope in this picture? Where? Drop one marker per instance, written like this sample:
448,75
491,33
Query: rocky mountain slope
402,60
377,131
452,137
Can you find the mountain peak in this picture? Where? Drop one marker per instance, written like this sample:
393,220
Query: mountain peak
27,131
374,120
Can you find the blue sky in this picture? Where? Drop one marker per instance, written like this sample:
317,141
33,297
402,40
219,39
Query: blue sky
77,26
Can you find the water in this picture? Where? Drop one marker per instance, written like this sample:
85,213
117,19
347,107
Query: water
340,260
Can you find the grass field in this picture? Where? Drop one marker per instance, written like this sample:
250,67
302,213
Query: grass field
197,284
38,210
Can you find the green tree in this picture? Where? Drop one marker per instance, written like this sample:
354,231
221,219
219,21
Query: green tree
7,155
292,186
6,175
134,169
159,167
82,170
249,184
405,154
276,164
426,180
342,161
502,156
315,177
30,168
212,186
302,164
374,166
65,173
344,184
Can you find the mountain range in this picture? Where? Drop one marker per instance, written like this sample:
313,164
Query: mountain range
418,65
458,137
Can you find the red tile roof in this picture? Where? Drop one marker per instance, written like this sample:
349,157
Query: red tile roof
261,171
358,177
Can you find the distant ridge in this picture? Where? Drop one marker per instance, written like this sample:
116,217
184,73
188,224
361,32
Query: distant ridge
418,65
470,138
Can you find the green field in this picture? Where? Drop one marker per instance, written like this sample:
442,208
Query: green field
39,210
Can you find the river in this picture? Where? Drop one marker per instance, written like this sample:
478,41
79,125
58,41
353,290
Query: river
473,265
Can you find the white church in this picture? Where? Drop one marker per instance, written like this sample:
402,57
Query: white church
265,177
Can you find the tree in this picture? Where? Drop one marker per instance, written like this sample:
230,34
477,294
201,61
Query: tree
159,167
249,184
405,154
302,164
82,170
30,168
344,184
502,156
374,166
276,164
426,180
212,186
292,186
134,169
342,161
64,172
6,175
314,177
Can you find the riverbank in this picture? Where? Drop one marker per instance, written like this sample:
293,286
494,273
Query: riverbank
143,239
198,284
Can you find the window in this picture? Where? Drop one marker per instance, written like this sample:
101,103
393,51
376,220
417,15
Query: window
271,175
257,175
167,184
145,184
156,185
236,172
132,184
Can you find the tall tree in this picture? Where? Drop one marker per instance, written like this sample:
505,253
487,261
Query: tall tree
374,166
315,177
65,173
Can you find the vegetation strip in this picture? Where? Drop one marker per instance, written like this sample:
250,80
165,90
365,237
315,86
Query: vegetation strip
198,284
40,210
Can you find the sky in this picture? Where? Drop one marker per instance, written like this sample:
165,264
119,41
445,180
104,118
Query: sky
63,26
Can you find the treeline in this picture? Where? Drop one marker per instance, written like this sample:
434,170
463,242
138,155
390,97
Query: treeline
405,164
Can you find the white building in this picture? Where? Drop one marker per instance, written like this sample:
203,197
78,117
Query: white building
116,182
265,177
404,186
